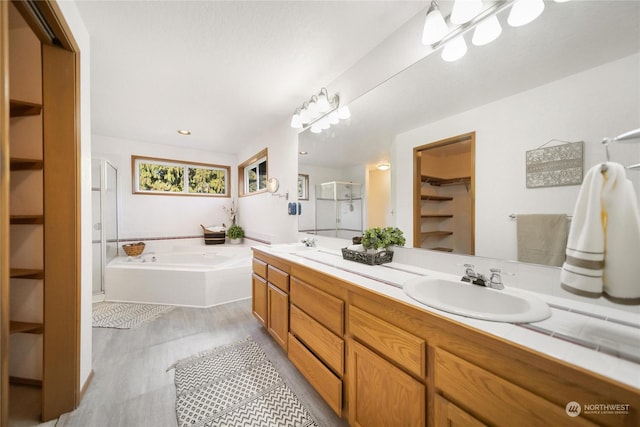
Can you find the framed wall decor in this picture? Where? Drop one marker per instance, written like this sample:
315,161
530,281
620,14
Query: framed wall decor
151,175
555,166
303,187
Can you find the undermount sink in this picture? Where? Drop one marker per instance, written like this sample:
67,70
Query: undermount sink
476,301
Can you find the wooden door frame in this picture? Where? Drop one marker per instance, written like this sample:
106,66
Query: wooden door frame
417,172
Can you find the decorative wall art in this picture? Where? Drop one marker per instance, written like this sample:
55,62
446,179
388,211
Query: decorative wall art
555,166
173,177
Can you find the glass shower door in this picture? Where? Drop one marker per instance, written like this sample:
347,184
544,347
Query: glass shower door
104,191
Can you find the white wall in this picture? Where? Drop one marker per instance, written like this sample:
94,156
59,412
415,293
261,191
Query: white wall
588,106
79,31
263,215
154,216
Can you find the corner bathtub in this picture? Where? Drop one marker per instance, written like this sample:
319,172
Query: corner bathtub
197,278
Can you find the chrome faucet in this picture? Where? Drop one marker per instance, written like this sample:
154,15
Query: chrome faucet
471,276
495,280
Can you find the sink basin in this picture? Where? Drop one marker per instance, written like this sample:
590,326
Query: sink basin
475,301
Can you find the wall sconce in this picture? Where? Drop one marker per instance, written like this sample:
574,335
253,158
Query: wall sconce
469,14
320,112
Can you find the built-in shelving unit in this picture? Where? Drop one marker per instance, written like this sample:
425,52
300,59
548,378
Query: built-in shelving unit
438,182
41,250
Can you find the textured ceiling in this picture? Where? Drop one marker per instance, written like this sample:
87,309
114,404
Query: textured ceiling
225,70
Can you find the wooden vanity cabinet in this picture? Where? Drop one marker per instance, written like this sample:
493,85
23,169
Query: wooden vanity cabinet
316,338
270,295
381,362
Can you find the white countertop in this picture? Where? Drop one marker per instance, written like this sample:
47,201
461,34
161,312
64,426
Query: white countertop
608,330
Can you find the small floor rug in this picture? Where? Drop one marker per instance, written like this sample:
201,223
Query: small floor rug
235,385
126,315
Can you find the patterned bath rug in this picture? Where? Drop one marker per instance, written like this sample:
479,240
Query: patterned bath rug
126,315
235,386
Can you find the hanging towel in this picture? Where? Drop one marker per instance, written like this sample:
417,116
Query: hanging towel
542,238
604,239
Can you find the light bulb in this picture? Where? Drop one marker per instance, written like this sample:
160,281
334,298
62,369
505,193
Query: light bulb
524,11
487,31
454,49
324,123
304,116
434,26
465,10
315,128
344,113
296,123
313,110
333,118
323,103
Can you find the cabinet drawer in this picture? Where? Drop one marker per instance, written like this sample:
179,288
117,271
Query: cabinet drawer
325,308
278,278
492,398
319,339
321,378
400,346
260,268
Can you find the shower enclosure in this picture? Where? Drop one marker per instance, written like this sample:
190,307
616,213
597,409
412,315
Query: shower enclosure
339,209
104,195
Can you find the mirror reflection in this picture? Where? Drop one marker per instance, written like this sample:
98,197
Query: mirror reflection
571,75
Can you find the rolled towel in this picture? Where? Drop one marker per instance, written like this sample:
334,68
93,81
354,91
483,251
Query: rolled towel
358,248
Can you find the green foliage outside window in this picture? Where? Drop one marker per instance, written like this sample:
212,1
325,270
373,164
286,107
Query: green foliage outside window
158,177
175,177
207,181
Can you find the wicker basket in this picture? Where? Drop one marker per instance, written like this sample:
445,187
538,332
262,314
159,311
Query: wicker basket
376,258
133,249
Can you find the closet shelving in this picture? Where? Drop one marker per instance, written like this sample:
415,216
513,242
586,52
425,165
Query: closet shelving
439,235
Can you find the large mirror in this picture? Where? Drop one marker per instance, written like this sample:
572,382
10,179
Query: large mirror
571,75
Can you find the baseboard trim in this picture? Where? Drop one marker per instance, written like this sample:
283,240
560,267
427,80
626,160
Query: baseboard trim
85,386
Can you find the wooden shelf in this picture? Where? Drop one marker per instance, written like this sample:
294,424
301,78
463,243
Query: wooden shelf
436,198
26,273
23,108
25,327
26,219
441,249
19,164
437,216
436,181
426,234
26,381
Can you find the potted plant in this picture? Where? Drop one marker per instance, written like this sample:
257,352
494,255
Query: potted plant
235,233
377,238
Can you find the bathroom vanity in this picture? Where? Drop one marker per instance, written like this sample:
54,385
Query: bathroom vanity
380,359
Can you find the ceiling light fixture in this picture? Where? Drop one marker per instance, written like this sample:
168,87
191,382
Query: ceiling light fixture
320,112
470,15
383,166
184,132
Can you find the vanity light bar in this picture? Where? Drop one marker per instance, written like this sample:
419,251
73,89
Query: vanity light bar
320,112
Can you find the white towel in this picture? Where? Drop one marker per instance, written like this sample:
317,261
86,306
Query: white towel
604,239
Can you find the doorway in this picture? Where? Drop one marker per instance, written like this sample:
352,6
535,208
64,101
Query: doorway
444,202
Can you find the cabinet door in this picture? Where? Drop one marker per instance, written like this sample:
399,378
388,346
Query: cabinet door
381,394
446,414
278,324
259,299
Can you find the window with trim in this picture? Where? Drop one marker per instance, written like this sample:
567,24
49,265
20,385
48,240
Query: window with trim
165,176
252,174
